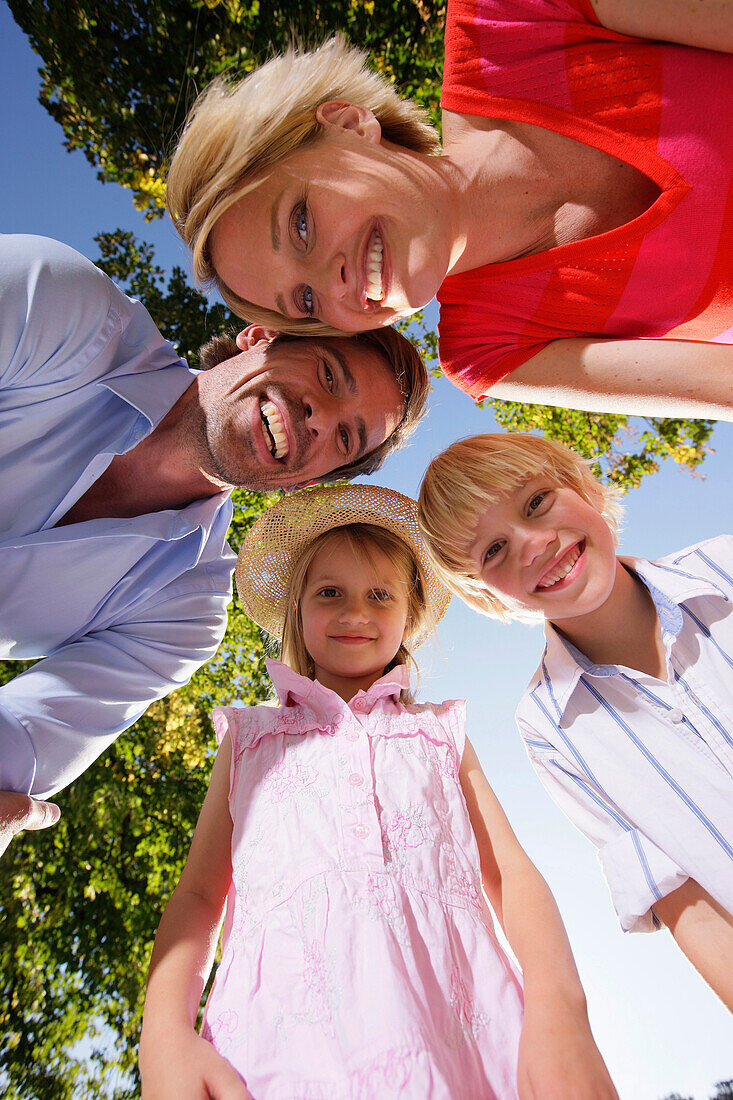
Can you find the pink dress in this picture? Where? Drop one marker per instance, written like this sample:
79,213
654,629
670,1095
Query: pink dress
358,954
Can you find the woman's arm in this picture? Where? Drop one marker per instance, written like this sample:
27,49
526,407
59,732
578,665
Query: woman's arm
20,811
705,23
558,1059
676,378
175,1062
704,932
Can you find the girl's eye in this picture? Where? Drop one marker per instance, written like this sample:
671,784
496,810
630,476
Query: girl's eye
380,594
329,593
535,502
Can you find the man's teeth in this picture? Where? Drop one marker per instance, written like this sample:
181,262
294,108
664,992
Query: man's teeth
273,430
562,569
374,291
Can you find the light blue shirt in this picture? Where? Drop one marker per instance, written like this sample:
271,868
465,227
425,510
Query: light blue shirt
644,767
123,611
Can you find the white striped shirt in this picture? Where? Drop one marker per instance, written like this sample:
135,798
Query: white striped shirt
643,767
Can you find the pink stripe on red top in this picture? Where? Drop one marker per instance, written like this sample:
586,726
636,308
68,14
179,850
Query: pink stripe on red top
664,109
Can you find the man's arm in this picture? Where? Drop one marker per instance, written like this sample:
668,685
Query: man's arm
63,712
704,932
675,378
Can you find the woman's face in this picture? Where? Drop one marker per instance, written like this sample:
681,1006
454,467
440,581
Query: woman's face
345,230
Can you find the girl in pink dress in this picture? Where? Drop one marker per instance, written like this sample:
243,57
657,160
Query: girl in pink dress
346,833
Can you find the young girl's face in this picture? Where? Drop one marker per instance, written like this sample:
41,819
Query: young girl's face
354,613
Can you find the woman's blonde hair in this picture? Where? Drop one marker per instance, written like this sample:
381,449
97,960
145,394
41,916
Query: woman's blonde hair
467,478
236,132
363,539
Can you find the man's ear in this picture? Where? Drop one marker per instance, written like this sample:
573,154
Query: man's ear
343,115
301,485
252,335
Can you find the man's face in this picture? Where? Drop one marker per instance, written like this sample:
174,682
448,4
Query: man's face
281,414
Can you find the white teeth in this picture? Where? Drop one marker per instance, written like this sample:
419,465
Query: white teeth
562,570
374,290
273,430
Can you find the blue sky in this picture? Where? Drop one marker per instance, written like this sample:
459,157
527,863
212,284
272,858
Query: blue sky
659,1027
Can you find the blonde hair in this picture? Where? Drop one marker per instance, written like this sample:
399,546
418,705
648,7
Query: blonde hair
467,478
237,132
363,539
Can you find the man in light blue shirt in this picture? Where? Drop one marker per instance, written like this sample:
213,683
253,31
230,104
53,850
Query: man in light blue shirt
117,461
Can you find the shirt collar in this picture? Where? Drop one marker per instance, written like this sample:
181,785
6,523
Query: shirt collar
293,689
563,664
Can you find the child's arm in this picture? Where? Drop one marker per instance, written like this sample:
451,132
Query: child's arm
175,1062
704,932
558,1059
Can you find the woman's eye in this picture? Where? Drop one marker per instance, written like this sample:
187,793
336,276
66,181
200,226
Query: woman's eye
305,303
299,221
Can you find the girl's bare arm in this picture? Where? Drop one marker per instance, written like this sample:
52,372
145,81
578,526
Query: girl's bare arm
558,1059
175,1062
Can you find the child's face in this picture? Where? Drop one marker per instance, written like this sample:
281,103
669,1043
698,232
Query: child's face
542,548
354,613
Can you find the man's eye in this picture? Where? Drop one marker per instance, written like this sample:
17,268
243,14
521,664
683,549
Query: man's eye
345,439
328,375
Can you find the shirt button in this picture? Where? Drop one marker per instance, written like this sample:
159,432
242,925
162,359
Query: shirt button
676,715
360,832
355,779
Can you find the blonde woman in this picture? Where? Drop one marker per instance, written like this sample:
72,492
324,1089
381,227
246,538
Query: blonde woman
578,212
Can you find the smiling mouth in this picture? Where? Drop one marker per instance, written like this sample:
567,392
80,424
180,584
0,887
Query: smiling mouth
374,268
560,571
273,430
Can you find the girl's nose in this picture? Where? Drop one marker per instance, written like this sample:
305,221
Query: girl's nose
536,543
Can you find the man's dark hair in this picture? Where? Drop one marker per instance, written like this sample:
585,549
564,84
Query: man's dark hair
402,358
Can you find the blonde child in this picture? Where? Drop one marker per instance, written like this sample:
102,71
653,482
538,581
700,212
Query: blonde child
343,828
628,721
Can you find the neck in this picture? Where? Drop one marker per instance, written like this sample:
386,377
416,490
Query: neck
346,686
166,469
624,630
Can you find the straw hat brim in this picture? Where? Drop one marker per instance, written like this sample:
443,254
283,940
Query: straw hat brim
278,538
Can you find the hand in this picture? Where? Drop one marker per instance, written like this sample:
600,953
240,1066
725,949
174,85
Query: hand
186,1067
20,811
558,1058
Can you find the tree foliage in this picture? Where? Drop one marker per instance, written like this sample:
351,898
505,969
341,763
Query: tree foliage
119,76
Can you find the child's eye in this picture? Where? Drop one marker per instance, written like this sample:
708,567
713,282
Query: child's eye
380,594
492,551
535,502
329,592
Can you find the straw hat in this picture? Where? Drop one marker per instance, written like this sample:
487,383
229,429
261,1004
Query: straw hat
272,547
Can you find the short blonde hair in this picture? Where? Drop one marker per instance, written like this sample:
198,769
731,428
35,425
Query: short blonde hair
364,539
237,132
467,478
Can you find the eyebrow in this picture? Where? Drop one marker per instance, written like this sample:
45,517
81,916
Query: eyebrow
274,221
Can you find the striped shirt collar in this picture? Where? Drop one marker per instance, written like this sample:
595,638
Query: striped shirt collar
563,664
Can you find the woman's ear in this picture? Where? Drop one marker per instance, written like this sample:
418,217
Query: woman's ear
343,115
252,335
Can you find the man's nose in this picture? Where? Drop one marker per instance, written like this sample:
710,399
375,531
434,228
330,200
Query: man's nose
317,414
